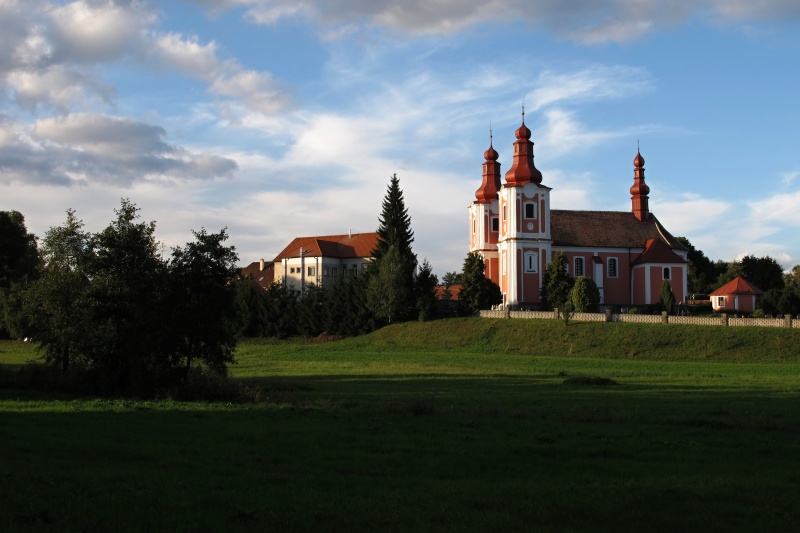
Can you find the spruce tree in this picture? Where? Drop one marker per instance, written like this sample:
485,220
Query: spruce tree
395,232
557,283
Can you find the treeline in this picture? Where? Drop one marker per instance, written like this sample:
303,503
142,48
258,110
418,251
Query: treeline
109,311
781,289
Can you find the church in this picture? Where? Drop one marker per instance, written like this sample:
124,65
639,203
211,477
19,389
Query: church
627,253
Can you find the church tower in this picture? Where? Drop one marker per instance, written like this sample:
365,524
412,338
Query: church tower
524,241
639,190
484,215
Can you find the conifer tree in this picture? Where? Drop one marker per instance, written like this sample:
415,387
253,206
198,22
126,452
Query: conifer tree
395,232
557,283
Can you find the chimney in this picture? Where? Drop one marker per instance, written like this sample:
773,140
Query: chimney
261,265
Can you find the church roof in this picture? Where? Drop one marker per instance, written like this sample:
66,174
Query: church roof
657,251
342,246
607,229
737,286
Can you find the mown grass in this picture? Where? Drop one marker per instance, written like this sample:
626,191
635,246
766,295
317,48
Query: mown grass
490,425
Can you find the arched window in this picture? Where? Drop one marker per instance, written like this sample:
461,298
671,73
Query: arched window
578,271
531,260
612,267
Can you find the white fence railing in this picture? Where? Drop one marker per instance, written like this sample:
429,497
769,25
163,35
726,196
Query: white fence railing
719,320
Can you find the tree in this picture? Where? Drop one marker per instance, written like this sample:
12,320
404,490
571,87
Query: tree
204,300
425,287
451,278
556,283
703,273
135,321
585,296
394,230
667,297
387,293
477,291
19,259
55,305
763,272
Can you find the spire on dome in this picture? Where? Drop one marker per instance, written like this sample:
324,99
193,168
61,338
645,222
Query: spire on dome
522,170
639,190
490,185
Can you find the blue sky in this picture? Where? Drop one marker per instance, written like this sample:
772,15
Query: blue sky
283,118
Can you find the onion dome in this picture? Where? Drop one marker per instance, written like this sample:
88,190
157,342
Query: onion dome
488,191
639,190
523,170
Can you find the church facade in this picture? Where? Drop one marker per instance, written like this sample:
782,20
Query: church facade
627,253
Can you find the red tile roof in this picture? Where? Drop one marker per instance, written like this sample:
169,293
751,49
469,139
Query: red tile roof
656,251
454,291
737,286
607,229
342,246
262,277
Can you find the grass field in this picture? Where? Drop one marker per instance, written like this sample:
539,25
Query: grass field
468,424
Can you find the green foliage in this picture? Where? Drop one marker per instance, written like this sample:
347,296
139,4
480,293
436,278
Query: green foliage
425,288
667,297
387,293
135,321
763,272
451,278
556,283
19,258
394,230
585,296
203,300
477,291
702,273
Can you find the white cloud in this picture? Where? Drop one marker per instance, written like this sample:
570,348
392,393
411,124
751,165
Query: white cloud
82,149
588,21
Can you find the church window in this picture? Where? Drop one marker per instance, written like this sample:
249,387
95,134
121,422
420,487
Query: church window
578,266
473,225
505,212
495,224
666,272
530,210
612,267
531,260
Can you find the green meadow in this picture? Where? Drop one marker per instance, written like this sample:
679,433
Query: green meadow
451,425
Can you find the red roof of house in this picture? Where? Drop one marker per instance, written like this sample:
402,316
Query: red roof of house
454,290
737,286
607,229
262,277
656,251
342,246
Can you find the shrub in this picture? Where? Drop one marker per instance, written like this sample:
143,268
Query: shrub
585,296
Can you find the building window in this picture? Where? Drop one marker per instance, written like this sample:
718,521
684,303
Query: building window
531,261
578,270
291,270
495,224
326,271
312,271
612,267
720,301
505,213
530,210
666,272
335,271
473,226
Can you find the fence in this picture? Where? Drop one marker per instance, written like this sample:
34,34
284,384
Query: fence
719,320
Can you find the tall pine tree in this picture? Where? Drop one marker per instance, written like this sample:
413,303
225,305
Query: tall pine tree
395,232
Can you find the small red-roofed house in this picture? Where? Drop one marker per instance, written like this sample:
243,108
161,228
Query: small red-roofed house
261,272
736,295
628,254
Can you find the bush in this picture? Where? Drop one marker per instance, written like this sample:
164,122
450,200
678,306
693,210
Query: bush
585,296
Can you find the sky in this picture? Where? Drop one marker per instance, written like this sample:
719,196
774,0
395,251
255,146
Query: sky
285,118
